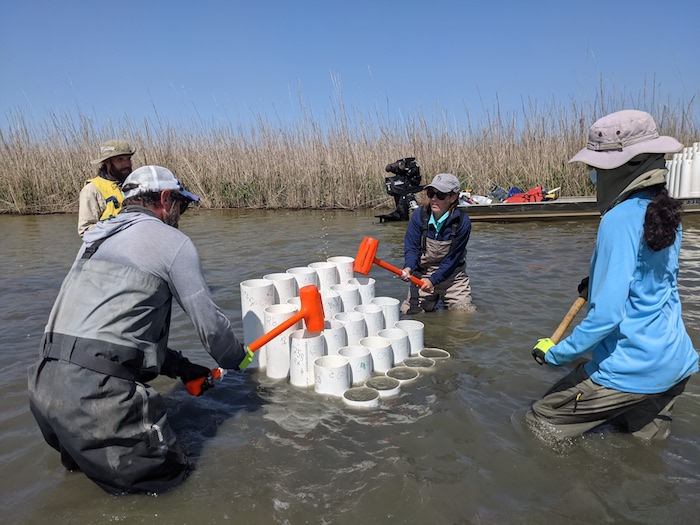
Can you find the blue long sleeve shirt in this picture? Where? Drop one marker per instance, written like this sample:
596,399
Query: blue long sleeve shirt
633,328
413,243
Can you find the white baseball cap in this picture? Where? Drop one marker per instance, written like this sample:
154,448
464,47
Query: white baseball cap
156,179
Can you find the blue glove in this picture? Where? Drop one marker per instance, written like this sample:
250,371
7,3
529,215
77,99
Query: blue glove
541,348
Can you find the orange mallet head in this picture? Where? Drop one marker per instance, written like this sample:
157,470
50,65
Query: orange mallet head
366,257
311,312
312,307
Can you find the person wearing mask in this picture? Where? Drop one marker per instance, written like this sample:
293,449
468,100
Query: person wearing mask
107,337
435,247
101,197
641,354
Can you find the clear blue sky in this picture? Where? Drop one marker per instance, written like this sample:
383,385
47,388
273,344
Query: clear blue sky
236,60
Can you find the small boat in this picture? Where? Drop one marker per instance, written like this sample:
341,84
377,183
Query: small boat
558,209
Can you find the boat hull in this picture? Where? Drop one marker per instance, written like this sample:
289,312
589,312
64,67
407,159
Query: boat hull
559,209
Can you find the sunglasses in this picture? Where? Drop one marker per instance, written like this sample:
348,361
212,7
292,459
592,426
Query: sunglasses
434,193
184,203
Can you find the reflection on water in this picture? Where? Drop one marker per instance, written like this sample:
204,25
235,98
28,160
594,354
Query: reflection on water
452,448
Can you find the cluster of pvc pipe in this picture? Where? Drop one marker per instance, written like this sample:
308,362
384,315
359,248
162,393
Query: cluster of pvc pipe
357,353
683,179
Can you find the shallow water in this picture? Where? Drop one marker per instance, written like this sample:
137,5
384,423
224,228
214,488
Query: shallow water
452,448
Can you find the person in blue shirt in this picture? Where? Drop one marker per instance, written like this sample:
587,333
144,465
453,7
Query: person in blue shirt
435,247
641,354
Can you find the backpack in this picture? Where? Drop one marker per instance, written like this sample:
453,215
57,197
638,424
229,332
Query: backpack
534,195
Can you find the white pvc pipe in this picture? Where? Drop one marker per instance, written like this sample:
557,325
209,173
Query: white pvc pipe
390,308
669,177
304,275
677,175
355,326
345,267
685,175
349,296
332,375
256,295
306,347
285,285
327,273
415,330
331,303
366,286
361,397
334,336
400,345
360,361
374,317
277,350
695,175
382,354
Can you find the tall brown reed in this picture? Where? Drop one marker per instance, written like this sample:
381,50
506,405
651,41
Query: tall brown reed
274,164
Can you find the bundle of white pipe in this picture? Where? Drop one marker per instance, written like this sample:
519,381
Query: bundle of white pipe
683,179
319,359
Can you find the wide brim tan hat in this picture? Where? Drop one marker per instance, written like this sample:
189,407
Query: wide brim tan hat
113,148
617,138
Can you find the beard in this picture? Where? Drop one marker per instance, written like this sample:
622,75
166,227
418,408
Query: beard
172,216
116,174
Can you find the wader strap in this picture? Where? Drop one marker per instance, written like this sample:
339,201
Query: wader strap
425,217
413,290
90,250
74,350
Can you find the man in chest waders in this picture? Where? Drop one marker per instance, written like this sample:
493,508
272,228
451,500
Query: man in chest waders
107,337
435,248
101,197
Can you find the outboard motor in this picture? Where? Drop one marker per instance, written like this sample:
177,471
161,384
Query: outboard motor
402,186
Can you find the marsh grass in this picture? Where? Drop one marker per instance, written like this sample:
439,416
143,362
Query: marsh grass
270,164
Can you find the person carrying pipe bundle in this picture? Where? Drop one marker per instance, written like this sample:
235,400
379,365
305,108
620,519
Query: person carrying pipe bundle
435,247
641,354
107,336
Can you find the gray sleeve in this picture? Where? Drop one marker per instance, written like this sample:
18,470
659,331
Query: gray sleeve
192,293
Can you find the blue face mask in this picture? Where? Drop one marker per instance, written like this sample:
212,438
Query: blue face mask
593,175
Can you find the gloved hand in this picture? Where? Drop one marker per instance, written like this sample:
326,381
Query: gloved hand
197,378
541,348
187,370
249,356
583,288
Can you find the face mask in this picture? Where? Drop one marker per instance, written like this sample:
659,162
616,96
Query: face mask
593,175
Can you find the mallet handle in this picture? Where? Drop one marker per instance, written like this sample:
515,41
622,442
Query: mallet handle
556,336
277,330
415,280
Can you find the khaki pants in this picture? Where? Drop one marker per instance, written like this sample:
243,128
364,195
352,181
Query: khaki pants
576,404
455,292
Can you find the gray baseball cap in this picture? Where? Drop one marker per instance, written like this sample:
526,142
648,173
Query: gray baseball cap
617,138
154,179
445,182
113,148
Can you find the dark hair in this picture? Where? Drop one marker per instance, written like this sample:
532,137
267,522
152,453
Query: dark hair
661,221
148,198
